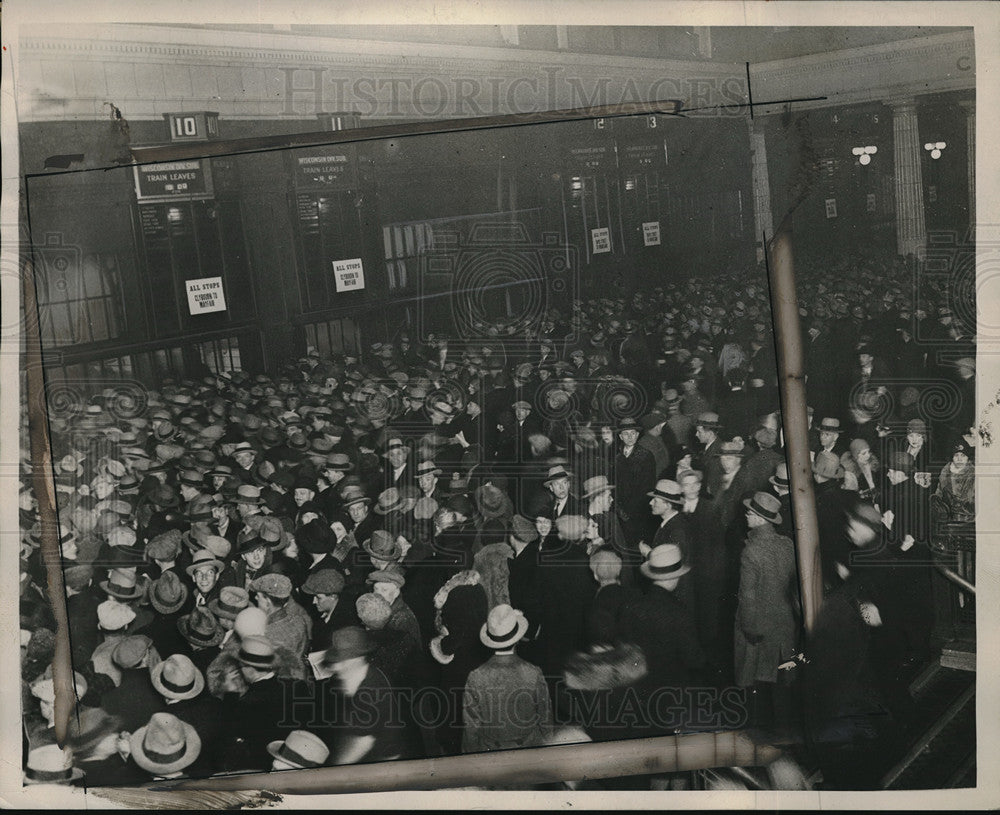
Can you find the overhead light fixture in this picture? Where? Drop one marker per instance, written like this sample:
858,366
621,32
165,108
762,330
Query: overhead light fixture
935,148
864,154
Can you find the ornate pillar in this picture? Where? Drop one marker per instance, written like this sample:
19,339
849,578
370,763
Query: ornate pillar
911,230
969,106
761,186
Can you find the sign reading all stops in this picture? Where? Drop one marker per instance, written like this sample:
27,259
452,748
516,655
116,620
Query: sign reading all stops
205,295
349,274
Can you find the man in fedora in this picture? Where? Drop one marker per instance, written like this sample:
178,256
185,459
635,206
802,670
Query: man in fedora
135,699
707,430
598,498
707,557
604,609
397,470
287,622
781,489
51,764
657,439
505,704
170,598
634,474
388,584
334,470
300,750
204,574
203,634
830,433
557,482
680,425
664,628
249,722
181,686
358,507
230,602
767,620
363,726
831,503
254,560
428,475
665,502
165,746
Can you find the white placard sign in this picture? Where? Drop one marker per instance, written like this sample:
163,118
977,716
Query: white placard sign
205,295
600,240
651,233
350,274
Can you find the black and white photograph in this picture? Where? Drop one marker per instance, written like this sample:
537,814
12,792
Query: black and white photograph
576,402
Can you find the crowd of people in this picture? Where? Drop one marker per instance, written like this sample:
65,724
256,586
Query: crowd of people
571,528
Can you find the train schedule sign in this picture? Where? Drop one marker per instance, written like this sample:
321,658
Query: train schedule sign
329,168
205,295
349,274
173,180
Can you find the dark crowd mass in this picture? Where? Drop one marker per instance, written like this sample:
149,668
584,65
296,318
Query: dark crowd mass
576,527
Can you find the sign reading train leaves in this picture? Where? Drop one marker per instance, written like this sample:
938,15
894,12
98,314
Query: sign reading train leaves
326,168
173,180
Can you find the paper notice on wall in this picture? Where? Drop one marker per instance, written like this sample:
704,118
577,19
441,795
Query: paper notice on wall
600,240
831,207
350,274
205,295
651,233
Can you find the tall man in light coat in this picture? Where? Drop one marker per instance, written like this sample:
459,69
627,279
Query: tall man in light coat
767,613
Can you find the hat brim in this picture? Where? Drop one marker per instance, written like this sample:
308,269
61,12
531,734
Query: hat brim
598,491
395,554
775,519
165,609
157,679
182,626
105,585
274,746
220,614
644,568
218,565
192,749
380,510
515,637
75,775
677,500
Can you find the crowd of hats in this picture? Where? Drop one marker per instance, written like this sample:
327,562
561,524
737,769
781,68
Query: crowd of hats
147,487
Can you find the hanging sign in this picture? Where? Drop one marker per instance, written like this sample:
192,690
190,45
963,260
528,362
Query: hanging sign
600,240
651,233
831,207
350,274
173,179
205,295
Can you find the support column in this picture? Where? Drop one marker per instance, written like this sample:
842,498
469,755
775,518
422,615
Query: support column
911,229
761,185
969,106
